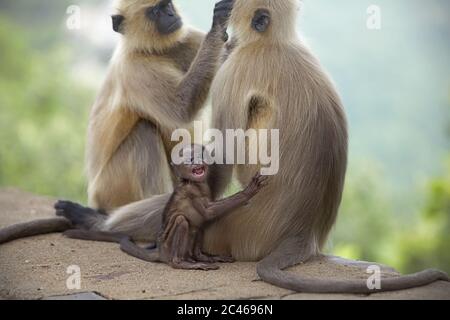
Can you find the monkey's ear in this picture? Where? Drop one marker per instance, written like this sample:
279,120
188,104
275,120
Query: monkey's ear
117,21
261,20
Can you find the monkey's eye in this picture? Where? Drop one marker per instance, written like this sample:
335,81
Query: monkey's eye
155,11
261,20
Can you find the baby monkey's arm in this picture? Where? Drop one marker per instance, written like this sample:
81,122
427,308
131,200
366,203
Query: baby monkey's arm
215,210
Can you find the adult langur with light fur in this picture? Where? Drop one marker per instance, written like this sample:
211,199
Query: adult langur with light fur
158,80
272,81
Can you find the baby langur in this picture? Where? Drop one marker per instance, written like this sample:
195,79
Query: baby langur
190,210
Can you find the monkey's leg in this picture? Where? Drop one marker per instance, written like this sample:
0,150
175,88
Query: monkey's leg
142,220
81,217
187,265
178,248
289,254
203,257
200,256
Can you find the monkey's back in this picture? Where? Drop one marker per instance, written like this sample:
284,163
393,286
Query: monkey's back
299,100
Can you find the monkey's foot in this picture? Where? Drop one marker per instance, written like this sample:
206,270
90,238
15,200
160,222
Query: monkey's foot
151,246
224,259
81,217
186,265
202,257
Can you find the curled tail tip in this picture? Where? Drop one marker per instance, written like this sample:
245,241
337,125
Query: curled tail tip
439,275
434,275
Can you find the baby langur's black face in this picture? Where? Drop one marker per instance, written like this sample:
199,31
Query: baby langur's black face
193,168
165,17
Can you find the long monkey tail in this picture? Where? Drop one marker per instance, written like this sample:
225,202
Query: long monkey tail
72,215
271,271
126,244
129,247
34,228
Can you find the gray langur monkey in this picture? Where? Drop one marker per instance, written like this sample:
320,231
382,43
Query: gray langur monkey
158,80
272,81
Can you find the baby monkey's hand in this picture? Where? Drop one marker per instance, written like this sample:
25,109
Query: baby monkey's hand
258,182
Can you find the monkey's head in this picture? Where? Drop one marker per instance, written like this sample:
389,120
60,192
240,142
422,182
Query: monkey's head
194,168
148,24
272,20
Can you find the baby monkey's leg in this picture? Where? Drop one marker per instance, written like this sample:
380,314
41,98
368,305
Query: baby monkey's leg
176,248
200,256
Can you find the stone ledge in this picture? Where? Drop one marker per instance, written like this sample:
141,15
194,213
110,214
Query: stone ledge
36,268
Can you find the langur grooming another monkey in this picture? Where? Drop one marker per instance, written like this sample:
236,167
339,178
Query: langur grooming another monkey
269,81
188,212
158,80
272,81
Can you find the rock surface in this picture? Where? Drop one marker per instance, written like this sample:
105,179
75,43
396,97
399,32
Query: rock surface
36,268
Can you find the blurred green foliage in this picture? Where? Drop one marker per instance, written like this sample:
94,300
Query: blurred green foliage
394,83
366,217
369,229
427,244
43,118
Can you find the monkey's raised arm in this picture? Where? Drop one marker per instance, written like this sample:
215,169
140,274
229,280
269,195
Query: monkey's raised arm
215,210
193,89
173,99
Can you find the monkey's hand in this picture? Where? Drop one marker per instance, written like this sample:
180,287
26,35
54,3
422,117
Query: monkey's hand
222,13
258,182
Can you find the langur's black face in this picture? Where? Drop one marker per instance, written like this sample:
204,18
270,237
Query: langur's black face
261,20
165,17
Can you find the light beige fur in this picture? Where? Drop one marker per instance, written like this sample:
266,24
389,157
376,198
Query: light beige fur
272,81
148,93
